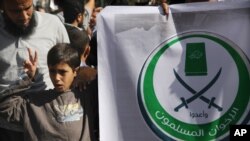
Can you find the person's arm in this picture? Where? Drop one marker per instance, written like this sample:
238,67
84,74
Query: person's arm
11,99
25,79
90,4
164,4
11,109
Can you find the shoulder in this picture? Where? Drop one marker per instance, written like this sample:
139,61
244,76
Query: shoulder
69,27
47,19
46,15
51,26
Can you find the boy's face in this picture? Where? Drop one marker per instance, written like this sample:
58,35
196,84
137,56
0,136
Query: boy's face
62,76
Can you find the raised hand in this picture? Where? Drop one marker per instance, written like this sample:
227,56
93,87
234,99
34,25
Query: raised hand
165,7
163,3
30,65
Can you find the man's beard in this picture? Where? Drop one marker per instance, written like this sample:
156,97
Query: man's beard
17,31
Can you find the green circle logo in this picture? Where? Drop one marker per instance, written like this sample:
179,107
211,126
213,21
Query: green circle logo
194,86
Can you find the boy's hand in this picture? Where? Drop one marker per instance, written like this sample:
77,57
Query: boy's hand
30,65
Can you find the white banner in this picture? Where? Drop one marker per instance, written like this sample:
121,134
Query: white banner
185,77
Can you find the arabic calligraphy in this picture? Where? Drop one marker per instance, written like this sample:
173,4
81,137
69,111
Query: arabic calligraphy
177,127
225,124
197,133
196,55
202,114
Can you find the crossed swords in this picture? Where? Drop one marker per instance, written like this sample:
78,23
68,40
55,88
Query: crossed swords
196,94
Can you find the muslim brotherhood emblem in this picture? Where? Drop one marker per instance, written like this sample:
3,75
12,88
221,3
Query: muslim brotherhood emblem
194,86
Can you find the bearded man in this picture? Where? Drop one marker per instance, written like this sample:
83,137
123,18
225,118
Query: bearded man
22,27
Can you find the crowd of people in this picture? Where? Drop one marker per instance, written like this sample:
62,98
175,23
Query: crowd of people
51,92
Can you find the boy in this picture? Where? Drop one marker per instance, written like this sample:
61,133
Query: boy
56,114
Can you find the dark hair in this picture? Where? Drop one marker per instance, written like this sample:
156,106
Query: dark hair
59,3
63,52
71,9
78,38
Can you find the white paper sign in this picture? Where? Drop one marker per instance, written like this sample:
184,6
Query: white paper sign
181,77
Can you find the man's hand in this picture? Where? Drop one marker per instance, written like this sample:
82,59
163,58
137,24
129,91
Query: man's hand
84,77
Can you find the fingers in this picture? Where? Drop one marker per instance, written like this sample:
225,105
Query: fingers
30,54
26,65
163,4
165,8
35,58
32,58
30,65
